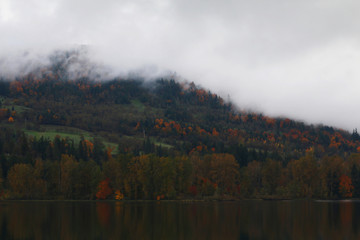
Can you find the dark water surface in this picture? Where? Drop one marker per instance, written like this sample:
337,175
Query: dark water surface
178,220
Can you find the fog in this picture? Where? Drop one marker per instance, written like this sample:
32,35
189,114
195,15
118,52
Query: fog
284,58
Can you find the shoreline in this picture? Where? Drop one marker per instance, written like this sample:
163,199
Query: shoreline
181,200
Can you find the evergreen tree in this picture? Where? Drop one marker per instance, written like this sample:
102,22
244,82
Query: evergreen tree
355,178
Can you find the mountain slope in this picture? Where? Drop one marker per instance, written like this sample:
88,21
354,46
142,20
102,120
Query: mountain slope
178,114
51,120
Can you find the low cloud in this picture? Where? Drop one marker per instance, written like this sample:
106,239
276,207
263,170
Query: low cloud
297,59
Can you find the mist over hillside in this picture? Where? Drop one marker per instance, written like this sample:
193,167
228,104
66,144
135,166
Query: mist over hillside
70,76
78,63
170,137
295,59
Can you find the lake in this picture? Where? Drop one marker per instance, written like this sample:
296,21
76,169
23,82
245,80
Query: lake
298,219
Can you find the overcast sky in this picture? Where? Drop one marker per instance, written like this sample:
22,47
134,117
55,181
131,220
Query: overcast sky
297,58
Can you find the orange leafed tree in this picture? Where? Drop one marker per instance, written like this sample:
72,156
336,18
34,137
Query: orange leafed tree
137,126
104,189
109,150
224,171
88,146
215,133
270,121
119,195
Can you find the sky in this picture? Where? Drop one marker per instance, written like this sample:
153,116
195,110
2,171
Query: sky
297,59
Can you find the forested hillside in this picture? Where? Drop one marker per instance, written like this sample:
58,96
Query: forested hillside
82,138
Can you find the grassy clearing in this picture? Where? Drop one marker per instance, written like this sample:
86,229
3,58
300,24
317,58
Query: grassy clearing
67,130
152,139
157,143
9,104
75,134
113,146
138,105
164,145
52,134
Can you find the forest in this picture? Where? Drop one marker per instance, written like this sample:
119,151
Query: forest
130,138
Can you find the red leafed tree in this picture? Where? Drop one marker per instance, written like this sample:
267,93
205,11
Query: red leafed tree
193,190
215,133
346,186
104,189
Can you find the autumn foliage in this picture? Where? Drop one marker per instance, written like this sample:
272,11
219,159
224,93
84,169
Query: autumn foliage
159,140
104,189
345,186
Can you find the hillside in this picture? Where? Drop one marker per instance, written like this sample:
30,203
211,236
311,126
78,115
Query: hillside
51,120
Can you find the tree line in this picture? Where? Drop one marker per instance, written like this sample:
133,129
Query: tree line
34,168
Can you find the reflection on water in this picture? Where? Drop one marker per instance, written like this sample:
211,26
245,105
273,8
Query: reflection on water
176,220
